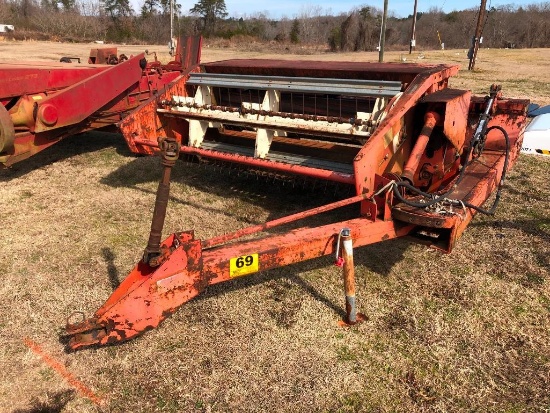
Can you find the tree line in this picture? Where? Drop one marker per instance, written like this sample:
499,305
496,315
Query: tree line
525,26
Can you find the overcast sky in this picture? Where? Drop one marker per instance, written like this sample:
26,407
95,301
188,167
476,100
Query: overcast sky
293,8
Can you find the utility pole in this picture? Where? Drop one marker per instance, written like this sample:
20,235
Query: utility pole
383,33
477,37
413,33
172,46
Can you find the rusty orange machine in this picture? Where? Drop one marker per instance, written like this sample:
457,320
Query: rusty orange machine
421,159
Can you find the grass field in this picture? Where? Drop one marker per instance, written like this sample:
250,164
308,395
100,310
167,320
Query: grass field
468,331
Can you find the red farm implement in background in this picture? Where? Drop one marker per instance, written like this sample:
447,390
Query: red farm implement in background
44,102
420,157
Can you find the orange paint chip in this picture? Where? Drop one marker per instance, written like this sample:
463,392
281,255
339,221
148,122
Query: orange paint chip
60,368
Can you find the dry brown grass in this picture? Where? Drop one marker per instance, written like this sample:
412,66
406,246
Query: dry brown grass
469,331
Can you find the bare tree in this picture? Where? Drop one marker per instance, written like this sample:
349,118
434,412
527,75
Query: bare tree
505,26
360,30
89,7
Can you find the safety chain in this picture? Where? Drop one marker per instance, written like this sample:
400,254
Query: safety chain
443,207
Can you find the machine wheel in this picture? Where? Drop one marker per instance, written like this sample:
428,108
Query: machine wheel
7,131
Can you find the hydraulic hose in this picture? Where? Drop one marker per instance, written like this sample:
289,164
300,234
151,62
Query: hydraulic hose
493,208
433,201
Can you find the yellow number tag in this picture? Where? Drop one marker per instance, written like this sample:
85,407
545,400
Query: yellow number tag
247,264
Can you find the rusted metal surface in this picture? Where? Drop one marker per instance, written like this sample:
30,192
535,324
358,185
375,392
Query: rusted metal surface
348,272
422,131
7,131
285,115
59,110
481,177
222,239
271,165
456,103
321,125
50,101
153,255
148,296
142,126
188,52
322,69
103,56
431,119
385,151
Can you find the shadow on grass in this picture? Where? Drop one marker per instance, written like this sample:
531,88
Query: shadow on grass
380,258
71,146
525,195
539,229
112,271
289,273
55,403
279,196
377,258
528,226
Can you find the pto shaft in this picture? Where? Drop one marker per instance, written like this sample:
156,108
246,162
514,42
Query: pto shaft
430,121
170,152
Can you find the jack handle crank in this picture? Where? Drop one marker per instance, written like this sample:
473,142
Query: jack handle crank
348,271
